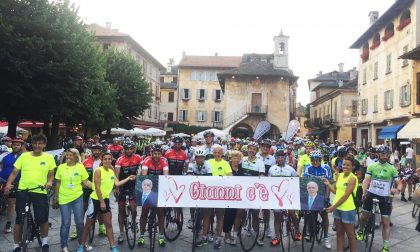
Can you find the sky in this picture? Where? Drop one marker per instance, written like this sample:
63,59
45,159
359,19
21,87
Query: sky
320,31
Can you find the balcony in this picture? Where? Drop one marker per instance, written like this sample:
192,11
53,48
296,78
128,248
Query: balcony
327,121
313,123
256,110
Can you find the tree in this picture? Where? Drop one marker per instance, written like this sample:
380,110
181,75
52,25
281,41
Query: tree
126,76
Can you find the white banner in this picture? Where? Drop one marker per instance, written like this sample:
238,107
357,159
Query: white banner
292,129
229,192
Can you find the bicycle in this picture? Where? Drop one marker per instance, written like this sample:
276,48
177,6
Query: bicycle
30,229
174,220
288,235
196,227
3,199
369,230
130,224
416,208
313,230
151,227
247,234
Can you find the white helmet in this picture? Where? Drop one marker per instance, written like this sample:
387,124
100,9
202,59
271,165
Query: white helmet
199,152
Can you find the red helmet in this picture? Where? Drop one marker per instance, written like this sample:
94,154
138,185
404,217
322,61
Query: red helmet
18,140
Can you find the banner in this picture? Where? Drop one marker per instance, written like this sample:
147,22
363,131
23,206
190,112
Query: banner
231,192
292,129
262,128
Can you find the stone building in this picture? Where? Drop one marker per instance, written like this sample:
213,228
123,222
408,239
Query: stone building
169,94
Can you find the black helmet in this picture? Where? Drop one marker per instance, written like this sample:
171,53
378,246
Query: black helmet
280,153
103,142
208,132
342,151
128,145
266,142
96,146
178,140
383,149
156,147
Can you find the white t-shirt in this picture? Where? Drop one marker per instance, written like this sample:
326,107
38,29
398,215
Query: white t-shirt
409,152
370,161
285,171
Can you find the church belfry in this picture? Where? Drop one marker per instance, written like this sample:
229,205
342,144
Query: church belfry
281,51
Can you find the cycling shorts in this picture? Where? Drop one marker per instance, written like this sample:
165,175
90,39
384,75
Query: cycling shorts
39,203
385,204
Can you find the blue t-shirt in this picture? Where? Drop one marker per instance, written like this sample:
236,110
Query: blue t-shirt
323,171
8,166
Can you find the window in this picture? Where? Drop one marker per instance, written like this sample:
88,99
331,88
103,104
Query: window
217,95
217,116
405,20
175,79
364,76
418,89
171,97
201,116
365,52
201,94
389,32
364,106
375,70
388,64
375,104
183,115
405,61
162,79
201,75
156,112
354,108
185,94
376,41
106,46
170,117
149,112
405,98
389,99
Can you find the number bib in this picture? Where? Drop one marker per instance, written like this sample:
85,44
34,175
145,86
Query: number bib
380,187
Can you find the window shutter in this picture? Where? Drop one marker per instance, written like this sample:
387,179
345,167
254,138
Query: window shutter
385,100
221,116
402,96
214,94
205,116
180,116
189,94
205,94
182,93
196,116
408,94
221,95
391,96
198,94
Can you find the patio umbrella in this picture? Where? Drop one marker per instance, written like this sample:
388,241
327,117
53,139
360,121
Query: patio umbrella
135,132
154,132
116,131
217,133
181,135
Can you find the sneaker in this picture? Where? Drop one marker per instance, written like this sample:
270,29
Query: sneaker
307,237
80,248
228,241
102,230
73,235
210,238
410,198
114,249
260,242
18,249
385,249
403,199
327,243
8,228
201,242
88,247
234,241
120,238
45,248
65,249
359,236
275,241
162,241
140,240
298,236
217,244
268,232
190,224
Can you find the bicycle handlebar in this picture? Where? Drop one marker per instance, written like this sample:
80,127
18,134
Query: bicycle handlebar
30,189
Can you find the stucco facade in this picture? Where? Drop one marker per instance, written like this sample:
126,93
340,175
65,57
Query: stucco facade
169,94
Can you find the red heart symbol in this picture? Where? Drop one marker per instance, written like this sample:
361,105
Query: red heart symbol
175,190
280,190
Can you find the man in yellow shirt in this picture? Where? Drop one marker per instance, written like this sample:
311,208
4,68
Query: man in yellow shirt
36,169
304,159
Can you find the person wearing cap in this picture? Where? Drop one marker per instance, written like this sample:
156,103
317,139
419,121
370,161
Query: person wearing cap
78,144
209,143
7,168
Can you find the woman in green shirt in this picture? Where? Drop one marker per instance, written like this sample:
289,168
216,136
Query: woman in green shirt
104,180
69,194
343,207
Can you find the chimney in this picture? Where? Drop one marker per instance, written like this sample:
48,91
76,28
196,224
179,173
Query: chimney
373,16
340,83
216,54
319,74
108,25
184,54
353,73
340,67
169,65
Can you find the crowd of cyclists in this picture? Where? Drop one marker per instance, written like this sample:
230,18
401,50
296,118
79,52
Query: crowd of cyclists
89,171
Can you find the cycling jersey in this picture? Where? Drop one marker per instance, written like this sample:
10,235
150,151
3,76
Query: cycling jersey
90,164
323,171
128,166
282,171
154,169
268,161
8,162
115,150
304,160
252,168
382,176
208,150
204,169
176,161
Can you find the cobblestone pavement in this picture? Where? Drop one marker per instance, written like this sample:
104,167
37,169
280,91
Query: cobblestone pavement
403,236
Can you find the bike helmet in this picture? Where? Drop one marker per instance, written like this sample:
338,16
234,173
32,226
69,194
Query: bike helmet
372,150
208,133
178,140
315,154
3,148
383,149
238,141
128,145
199,152
252,143
96,146
342,151
266,142
156,147
309,144
280,153
18,140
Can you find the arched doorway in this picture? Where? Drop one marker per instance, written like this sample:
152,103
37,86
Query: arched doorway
242,130
273,133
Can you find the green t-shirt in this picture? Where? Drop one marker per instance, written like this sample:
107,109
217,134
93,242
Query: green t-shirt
304,160
220,168
34,170
107,183
381,178
71,178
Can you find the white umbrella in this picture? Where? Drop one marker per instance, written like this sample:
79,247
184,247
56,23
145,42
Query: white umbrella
154,132
4,130
135,132
116,131
181,135
217,133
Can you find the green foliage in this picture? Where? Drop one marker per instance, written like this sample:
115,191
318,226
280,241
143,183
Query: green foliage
126,76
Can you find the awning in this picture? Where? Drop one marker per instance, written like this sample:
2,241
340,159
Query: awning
317,132
390,132
410,130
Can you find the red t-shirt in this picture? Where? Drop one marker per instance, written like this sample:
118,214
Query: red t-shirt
88,164
176,161
155,169
128,166
115,150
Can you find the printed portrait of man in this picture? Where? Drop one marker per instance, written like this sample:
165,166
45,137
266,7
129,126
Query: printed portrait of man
147,197
311,200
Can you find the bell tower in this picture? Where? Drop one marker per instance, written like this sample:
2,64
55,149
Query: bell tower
281,51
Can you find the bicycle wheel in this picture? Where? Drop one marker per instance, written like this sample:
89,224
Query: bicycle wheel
369,232
309,231
130,227
196,228
26,233
319,228
288,231
92,232
247,236
152,229
174,219
356,224
36,232
415,210
263,225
